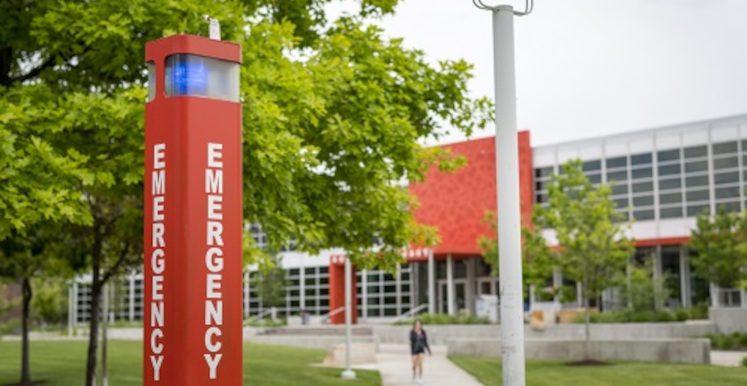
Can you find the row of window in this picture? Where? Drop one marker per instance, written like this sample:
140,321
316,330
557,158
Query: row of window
682,180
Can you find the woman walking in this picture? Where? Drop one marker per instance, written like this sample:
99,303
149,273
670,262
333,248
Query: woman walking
418,345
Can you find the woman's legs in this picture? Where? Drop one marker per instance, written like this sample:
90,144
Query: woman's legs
420,364
414,366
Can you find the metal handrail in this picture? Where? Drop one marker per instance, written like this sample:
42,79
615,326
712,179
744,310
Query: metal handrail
325,318
410,313
259,316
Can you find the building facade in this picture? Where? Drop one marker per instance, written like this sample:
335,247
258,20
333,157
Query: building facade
663,178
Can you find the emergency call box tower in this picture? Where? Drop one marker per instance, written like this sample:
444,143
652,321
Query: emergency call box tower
193,213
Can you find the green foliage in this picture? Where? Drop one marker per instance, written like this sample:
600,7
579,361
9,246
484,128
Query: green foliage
440,319
270,282
592,246
50,300
719,243
744,361
267,323
730,342
642,290
538,257
645,316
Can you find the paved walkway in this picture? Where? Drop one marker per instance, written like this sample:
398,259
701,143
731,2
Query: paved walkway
395,365
727,358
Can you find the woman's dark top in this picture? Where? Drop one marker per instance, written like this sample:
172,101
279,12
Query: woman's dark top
418,342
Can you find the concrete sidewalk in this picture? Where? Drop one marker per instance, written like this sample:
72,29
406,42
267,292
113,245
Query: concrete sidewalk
395,366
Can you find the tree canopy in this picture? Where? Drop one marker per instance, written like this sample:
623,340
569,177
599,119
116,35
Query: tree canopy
720,245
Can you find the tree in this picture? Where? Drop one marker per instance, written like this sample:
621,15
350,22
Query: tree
537,255
50,300
271,281
720,245
333,116
593,249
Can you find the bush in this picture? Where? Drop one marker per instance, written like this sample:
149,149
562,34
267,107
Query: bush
744,361
12,326
734,341
436,319
628,316
267,323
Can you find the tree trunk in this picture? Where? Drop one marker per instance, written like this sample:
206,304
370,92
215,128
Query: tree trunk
587,331
25,367
94,332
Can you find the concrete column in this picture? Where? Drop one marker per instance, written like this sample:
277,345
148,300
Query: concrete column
70,311
398,288
75,303
659,302
714,290
364,293
450,285
743,297
557,282
470,286
131,298
302,286
579,295
431,283
246,295
685,290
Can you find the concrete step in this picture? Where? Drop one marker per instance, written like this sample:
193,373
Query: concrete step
319,331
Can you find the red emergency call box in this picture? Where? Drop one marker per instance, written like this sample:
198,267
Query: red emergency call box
192,307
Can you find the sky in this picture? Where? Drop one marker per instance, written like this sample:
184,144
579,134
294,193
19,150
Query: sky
587,68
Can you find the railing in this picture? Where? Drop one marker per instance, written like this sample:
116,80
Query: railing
258,317
412,312
324,319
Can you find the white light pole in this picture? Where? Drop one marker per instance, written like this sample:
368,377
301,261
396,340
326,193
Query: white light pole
507,169
348,373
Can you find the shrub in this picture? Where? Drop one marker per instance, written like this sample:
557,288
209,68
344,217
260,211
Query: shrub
734,341
445,319
744,361
629,316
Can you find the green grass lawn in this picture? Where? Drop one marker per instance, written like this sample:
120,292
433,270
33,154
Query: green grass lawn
63,362
547,373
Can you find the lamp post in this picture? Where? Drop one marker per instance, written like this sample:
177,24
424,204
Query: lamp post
507,169
348,373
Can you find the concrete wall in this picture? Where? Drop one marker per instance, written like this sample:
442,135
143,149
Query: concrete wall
728,320
652,350
317,342
440,334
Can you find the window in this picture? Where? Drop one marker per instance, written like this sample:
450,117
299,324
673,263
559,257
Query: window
668,155
640,159
696,181
697,195
621,203
670,198
642,173
670,212
642,215
541,185
595,178
641,187
725,178
696,151
671,184
694,210
617,176
543,172
621,188
591,165
724,148
669,169
617,162
732,206
726,163
643,201
731,192
697,166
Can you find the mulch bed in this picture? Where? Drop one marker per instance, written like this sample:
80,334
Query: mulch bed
588,362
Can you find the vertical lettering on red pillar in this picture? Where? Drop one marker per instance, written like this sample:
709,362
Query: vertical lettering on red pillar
214,258
157,259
